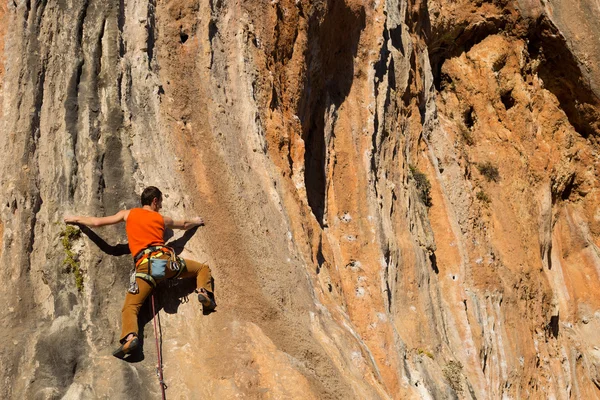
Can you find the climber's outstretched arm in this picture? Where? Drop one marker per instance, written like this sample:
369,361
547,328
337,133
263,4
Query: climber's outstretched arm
121,216
183,224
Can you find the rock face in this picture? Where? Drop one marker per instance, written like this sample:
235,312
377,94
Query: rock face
401,196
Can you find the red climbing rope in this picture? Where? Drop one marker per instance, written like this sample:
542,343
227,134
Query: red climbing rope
159,370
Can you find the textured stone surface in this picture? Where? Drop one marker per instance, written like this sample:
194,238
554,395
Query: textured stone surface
304,133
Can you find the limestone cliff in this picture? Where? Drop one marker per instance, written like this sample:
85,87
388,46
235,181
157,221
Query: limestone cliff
401,196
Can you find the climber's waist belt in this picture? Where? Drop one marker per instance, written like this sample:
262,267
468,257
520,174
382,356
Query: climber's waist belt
159,260
147,252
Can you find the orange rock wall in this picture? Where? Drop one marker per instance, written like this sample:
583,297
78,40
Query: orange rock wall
401,197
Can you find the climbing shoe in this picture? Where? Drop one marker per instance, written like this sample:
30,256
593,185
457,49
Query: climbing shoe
127,347
207,300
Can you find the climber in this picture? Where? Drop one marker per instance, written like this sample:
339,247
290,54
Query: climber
154,262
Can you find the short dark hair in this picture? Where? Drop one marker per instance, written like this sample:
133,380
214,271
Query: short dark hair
149,194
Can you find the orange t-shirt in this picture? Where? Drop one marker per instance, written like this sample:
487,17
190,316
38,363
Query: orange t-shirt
144,228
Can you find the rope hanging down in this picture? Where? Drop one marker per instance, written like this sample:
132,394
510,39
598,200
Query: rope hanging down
159,370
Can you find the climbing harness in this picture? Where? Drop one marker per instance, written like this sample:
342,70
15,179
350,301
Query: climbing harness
159,370
145,252
157,266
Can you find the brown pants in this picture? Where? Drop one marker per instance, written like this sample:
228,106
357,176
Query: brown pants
133,302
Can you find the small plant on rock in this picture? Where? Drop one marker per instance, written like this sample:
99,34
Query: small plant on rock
68,235
483,197
489,171
423,185
453,374
426,353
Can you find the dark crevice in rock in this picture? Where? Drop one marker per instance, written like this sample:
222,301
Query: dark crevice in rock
561,74
388,291
36,71
183,37
71,122
274,104
80,21
99,48
72,103
212,30
101,182
562,187
35,209
388,288
39,100
314,174
277,33
215,9
121,24
396,36
215,4
483,355
212,33
151,24
553,326
320,257
469,117
507,100
569,186
391,82
119,91
418,19
90,87
381,66
332,45
547,254
379,139
374,169
499,64
27,10
433,260
40,8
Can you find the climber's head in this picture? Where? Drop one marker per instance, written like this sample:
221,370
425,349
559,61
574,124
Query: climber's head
152,196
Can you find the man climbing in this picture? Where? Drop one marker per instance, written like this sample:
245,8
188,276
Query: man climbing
154,262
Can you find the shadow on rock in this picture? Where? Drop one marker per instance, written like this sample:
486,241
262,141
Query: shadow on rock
333,37
118,250
122,249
